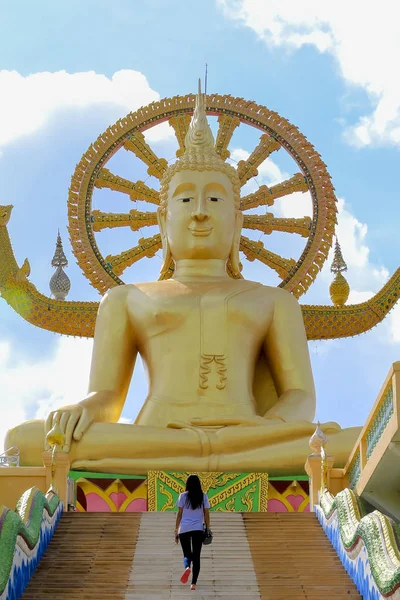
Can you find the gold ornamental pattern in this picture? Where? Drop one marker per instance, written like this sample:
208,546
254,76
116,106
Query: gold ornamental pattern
276,133
232,492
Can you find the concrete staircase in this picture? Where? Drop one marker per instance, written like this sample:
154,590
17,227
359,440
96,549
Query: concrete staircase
255,556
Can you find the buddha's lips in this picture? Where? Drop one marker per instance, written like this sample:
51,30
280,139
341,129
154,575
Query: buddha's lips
202,232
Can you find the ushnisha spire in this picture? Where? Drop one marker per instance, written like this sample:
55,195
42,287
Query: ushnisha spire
200,153
199,136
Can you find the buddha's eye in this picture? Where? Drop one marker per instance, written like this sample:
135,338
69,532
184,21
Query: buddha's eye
184,199
214,199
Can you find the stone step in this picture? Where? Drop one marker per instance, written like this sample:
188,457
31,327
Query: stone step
132,556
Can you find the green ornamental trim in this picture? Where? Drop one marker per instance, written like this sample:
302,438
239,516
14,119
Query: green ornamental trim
25,522
380,421
379,534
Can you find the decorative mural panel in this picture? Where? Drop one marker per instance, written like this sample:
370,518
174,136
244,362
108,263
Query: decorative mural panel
118,494
232,492
111,495
288,496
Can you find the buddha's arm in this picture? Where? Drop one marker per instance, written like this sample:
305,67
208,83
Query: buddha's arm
288,357
114,354
113,359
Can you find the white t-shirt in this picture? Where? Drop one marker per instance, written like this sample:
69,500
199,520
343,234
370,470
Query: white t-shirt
192,520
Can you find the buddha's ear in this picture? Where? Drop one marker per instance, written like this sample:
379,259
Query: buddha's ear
161,219
234,255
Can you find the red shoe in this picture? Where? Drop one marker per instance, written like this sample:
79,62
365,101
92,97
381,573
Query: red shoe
186,575
193,586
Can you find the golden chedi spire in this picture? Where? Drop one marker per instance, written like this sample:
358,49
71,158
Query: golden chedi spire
200,153
339,289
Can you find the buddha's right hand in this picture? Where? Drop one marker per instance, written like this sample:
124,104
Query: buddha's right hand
73,421
76,419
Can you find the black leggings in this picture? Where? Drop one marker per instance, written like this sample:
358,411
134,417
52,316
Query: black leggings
191,543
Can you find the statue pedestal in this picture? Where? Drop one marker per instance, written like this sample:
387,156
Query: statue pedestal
107,492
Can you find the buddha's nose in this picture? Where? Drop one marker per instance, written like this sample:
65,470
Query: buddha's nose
200,212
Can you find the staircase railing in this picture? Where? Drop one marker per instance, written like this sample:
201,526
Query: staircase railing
383,422
368,545
24,535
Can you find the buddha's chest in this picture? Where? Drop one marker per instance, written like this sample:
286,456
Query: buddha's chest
205,315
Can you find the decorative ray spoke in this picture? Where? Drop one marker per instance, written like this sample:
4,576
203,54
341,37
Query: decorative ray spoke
136,190
263,196
135,219
227,126
137,144
253,250
267,196
248,168
268,223
180,124
146,247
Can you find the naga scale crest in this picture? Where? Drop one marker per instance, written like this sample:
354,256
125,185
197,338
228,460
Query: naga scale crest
91,173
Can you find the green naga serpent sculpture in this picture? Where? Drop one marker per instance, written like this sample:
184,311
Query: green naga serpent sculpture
78,318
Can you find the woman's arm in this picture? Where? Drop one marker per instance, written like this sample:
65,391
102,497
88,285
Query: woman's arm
207,517
178,522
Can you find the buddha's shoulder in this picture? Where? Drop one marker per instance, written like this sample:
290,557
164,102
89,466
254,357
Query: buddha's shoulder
120,293
277,295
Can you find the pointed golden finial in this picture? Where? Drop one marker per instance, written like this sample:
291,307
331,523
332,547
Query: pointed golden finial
318,439
199,135
339,289
59,283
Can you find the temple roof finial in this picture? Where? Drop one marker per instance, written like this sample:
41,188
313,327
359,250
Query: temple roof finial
339,289
60,283
59,258
338,263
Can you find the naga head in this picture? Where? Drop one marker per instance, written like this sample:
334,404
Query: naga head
5,214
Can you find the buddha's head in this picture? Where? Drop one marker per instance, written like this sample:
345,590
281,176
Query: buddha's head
199,214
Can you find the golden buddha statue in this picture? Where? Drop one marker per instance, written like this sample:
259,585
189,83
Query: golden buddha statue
230,381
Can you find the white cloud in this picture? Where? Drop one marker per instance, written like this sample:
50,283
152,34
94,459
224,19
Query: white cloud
295,205
28,102
125,420
395,325
33,389
268,172
363,37
364,276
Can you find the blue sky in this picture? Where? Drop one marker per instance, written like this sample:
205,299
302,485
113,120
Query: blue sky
68,69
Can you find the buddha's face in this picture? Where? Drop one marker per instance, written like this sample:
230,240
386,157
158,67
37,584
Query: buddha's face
200,216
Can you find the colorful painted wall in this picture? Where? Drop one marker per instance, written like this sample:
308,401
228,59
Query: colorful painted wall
121,493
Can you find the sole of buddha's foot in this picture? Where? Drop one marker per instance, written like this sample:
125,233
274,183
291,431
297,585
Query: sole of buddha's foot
192,587
186,574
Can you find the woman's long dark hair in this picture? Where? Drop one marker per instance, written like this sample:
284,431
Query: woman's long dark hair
195,497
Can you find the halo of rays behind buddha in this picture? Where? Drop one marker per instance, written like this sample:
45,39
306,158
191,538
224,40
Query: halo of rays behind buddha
196,127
